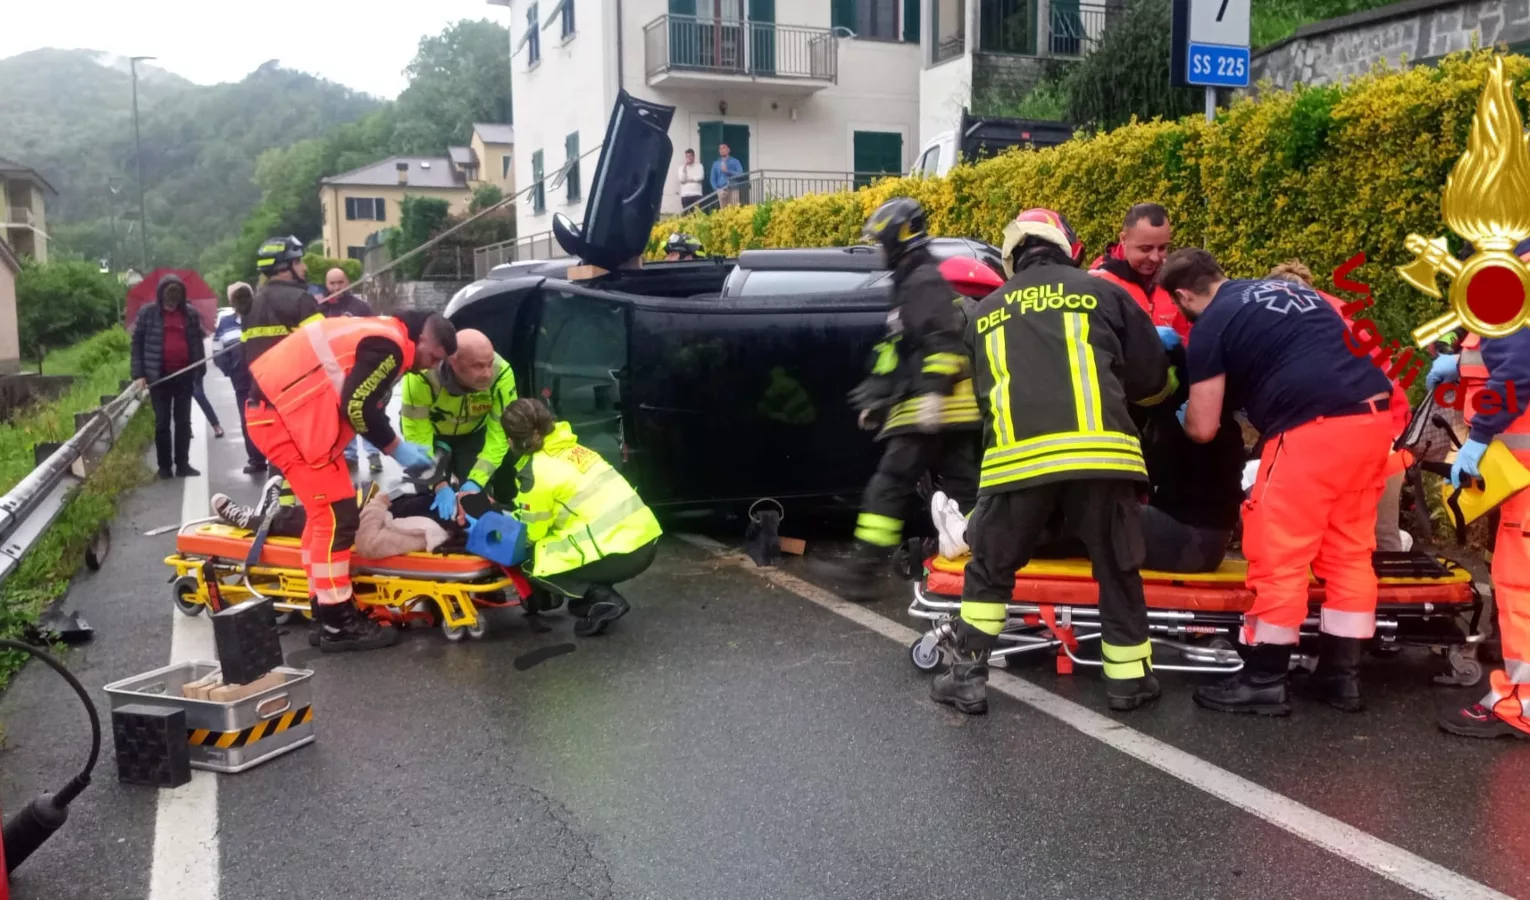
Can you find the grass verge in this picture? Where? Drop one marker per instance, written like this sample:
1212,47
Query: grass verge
99,365
45,572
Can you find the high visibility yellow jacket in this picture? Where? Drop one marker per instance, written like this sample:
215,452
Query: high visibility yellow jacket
1058,356
576,507
430,410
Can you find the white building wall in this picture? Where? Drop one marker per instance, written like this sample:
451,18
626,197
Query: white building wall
566,91
944,87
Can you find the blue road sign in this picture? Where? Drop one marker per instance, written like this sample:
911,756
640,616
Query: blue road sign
1214,65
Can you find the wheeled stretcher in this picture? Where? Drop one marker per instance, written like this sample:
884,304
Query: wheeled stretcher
446,590
1424,600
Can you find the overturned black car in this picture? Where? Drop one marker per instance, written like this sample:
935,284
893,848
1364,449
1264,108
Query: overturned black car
709,382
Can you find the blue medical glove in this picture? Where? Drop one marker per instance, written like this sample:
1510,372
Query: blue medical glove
1446,367
445,505
469,487
412,456
1468,460
1169,336
1183,407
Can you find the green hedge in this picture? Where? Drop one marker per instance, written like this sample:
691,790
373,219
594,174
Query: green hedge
1316,174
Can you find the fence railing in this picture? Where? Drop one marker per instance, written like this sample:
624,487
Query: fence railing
535,246
18,215
785,184
740,47
1043,27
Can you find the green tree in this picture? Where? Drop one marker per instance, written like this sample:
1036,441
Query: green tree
458,77
484,197
59,303
1128,73
420,218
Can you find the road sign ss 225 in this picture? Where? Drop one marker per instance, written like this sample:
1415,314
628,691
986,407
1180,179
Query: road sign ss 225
1211,43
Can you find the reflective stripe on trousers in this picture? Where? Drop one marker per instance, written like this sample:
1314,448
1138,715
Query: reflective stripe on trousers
1348,623
1126,663
1255,631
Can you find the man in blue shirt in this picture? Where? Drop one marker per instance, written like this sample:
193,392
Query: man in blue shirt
1279,351
726,171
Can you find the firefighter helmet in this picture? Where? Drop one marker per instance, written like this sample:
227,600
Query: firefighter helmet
1045,224
899,226
278,254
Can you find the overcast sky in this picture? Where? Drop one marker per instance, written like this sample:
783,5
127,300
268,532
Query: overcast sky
362,45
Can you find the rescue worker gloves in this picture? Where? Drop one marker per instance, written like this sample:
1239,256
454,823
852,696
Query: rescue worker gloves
1468,460
470,487
412,456
1446,367
1169,336
445,505
1181,413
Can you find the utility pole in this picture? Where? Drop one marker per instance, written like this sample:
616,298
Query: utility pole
143,221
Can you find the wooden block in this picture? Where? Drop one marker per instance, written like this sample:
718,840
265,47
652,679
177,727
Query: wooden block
794,546
231,693
584,273
197,690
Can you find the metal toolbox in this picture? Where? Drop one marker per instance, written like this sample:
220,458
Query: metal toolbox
228,737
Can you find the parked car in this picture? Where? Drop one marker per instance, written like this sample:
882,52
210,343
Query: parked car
979,138
708,382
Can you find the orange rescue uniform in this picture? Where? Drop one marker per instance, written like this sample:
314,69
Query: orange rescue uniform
1509,695
304,411
1156,303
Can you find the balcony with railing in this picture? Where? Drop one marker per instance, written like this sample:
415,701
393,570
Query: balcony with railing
691,51
1054,28
18,217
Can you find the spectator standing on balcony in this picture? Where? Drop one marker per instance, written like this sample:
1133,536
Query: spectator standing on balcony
690,175
726,172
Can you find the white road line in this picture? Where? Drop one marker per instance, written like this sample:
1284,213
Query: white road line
185,863
1345,841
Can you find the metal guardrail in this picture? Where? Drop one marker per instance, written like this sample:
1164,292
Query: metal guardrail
537,246
726,46
31,506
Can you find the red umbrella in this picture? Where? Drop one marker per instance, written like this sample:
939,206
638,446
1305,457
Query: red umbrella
198,295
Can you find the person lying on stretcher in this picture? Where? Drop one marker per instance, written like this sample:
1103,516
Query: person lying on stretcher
393,522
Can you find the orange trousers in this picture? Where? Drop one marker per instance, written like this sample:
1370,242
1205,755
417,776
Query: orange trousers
328,497
1314,505
1509,697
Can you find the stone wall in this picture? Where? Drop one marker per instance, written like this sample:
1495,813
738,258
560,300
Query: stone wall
1405,33
390,296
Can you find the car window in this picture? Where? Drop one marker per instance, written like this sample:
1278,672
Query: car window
761,283
929,163
581,351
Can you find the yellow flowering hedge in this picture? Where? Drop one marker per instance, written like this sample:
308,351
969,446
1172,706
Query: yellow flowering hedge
1316,174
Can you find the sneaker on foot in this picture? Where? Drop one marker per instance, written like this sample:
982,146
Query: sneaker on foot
186,472
255,468
166,474
232,512
1479,722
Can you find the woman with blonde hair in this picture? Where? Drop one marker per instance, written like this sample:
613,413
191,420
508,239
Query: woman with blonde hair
588,528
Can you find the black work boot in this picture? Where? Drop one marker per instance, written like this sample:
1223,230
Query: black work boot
1126,694
965,684
605,606
1336,680
1478,721
344,627
856,577
1260,688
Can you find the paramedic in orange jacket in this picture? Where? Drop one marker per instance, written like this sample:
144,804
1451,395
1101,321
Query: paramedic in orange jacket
1133,264
1278,350
1502,366
312,394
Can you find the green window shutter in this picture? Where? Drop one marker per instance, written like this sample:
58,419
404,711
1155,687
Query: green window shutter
571,152
709,135
538,194
911,20
843,14
877,153
682,7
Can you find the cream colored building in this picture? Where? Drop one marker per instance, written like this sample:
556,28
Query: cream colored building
10,332
365,201
489,158
23,215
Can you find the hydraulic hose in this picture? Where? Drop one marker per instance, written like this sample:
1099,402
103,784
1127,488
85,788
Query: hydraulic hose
28,829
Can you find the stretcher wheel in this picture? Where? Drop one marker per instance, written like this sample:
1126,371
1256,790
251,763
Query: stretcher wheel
184,591
477,630
1467,670
454,633
925,653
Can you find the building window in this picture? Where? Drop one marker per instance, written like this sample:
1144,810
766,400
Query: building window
566,13
356,253
870,19
948,21
533,37
504,167
538,194
571,177
370,209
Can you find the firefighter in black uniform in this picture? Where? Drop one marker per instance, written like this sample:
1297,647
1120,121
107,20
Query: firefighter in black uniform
919,392
283,302
1057,356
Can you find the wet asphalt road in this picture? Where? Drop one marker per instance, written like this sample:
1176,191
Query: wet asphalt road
730,739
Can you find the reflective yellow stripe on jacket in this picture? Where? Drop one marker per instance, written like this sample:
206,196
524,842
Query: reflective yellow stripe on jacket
429,410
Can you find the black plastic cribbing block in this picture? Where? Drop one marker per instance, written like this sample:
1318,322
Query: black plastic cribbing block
248,643
151,743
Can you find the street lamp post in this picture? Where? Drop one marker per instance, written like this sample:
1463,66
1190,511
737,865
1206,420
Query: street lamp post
143,221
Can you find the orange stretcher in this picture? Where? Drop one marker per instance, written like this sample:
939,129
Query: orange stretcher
1423,600
212,569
